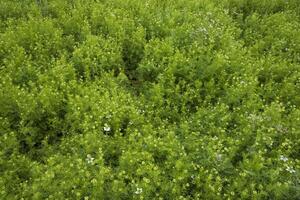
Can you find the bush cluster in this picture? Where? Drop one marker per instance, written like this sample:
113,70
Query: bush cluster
149,99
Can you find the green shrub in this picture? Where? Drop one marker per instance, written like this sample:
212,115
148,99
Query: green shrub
147,99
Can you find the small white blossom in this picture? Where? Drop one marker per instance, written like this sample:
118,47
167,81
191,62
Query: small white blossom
283,158
215,138
90,159
290,169
281,129
138,191
106,128
141,111
219,157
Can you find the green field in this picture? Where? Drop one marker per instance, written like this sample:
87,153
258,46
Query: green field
150,99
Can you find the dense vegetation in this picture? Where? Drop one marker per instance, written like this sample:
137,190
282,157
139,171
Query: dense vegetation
149,99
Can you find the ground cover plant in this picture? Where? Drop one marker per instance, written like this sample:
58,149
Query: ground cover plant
149,99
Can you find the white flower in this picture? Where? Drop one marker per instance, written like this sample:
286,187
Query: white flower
215,138
106,128
290,169
90,159
138,191
283,158
141,111
219,157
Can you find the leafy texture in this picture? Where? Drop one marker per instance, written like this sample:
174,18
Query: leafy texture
148,99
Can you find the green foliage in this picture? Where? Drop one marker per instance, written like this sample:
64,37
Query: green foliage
148,99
